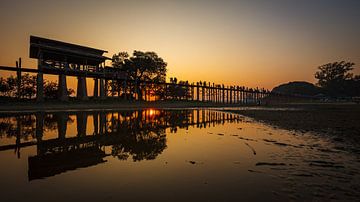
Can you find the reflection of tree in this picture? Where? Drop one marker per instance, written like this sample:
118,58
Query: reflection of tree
24,126
19,126
140,146
140,137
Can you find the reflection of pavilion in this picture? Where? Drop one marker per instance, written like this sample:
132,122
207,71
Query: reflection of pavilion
47,165
138,134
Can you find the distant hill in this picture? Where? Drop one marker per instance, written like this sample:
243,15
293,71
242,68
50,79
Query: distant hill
297,87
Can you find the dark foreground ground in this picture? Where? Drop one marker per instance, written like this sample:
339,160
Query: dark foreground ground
339,121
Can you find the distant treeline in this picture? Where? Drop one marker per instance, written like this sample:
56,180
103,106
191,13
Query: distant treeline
335,80
27,87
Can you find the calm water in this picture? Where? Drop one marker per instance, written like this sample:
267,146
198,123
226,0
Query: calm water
167,155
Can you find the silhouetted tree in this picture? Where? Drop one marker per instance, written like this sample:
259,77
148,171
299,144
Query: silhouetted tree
5,88
28,86
334,73
337,80
8,87
333,76
141,67
50,89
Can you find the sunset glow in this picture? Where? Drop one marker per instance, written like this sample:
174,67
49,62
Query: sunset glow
262,43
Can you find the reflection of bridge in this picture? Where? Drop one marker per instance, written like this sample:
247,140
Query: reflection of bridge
105,122
140,134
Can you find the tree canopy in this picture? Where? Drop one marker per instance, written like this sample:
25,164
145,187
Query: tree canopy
337,80
333,73
9,88
142,66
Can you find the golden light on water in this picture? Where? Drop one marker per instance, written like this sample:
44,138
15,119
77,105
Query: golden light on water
151,112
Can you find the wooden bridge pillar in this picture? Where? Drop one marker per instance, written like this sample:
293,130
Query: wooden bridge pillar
236,94
245,97
209,92
63,94
40,83
81,121
197,91
18,77
40,87
222,94
96,87
102,123
102,89
96,123
81,88
218,94
227,94
242,96
61,125
39,126
203,92
192,92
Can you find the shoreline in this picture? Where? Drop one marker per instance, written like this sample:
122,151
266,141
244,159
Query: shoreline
33,106
337,121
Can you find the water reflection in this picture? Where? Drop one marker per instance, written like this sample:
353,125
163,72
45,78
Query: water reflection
133,134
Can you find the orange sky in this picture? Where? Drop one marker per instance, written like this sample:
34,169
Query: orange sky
262,43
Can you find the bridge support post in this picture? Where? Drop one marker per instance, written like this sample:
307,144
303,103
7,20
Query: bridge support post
197,91
96,87
39,126
40,82
102,89
62,94
40,87
96,122
81,121
81,88
62,125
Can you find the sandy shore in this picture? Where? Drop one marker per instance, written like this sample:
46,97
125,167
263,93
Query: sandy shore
341,122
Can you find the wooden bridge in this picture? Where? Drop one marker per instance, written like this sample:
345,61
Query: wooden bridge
65,59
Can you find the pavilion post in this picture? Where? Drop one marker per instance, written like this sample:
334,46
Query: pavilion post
81,121
96,87
231,92
40,82
63,94
102,88
197,91
18,77
61,125
81,88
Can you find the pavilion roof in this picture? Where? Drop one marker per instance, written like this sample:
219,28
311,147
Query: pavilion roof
61,51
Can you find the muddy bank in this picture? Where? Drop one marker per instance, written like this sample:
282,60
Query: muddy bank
341,122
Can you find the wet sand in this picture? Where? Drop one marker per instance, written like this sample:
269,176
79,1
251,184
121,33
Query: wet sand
338,121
